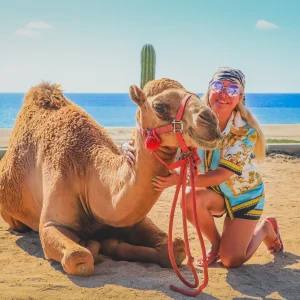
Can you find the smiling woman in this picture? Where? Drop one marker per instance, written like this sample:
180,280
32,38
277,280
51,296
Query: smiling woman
229,182
224,97
223,106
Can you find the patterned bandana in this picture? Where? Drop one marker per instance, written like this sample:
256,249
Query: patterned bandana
230,74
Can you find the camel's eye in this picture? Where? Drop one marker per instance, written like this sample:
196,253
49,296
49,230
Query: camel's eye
160,108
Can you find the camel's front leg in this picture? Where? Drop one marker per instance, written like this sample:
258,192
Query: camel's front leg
143,242
61,244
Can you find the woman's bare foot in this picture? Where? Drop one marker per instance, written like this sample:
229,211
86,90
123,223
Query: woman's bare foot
212,255
272,237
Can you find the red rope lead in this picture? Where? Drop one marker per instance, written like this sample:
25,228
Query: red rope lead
190,159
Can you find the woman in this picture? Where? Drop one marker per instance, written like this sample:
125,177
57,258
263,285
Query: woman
228,181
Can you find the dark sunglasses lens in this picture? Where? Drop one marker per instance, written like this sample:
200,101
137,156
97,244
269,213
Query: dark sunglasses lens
233,90
217,86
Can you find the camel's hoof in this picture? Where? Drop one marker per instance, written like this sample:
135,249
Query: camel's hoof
178,250
79,262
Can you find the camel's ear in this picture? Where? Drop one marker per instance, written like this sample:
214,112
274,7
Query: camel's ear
137,95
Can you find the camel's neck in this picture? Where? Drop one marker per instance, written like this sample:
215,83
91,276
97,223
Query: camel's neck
132,192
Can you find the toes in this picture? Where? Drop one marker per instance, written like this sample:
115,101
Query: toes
276,246
211,257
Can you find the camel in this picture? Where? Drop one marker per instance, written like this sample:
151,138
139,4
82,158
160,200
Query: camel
64,177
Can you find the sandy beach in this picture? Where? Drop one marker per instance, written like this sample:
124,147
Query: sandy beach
121,134
25,274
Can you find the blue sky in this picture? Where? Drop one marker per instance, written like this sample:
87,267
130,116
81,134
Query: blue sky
94,46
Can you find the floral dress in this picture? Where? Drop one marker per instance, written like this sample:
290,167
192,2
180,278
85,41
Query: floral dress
244,190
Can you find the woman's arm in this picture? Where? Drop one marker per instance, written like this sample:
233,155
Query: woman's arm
211,178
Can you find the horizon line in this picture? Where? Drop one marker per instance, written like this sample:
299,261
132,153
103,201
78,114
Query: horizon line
128,93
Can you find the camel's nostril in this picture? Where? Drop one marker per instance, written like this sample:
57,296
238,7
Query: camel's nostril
207,117
204,118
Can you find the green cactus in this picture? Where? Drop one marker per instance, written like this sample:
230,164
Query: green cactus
148,61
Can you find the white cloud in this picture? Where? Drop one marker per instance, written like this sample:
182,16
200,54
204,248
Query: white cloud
263,24
39,25
28,32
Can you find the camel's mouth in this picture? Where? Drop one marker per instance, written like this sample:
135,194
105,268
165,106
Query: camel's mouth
209,142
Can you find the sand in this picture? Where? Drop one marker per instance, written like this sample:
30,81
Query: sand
25,274
120,134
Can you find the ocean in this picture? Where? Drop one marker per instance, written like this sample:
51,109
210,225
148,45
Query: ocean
117,110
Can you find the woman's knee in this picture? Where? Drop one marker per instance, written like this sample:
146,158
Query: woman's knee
200,202
232,260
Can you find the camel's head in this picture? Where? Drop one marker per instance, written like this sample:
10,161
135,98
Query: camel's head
158,104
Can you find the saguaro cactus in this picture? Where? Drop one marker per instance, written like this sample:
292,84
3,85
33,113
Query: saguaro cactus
148,61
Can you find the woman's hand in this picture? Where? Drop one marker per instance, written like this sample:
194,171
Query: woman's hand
128,152
161,182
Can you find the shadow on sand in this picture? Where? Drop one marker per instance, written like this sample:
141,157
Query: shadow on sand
30,243
262,280
131,275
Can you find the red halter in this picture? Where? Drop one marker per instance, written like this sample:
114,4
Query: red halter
188,157
152,141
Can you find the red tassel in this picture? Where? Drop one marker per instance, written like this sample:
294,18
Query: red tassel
152,142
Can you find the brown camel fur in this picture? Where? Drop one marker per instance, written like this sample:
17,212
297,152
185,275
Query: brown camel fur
64,177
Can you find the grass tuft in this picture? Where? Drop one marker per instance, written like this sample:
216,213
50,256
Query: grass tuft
274,141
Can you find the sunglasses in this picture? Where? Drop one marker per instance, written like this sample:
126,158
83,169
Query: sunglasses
232,90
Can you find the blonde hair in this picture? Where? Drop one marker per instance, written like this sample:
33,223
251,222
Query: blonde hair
260,146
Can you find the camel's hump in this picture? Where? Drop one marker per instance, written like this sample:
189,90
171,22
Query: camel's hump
47,95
